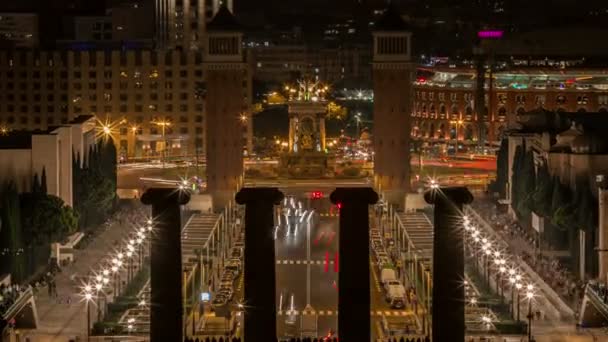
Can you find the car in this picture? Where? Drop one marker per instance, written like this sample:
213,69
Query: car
393,282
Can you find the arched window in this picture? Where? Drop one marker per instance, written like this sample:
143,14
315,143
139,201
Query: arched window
469,110
560,99
442,110
502,111
432,112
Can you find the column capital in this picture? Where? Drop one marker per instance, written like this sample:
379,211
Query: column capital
257,195
354,195
160,196
457,194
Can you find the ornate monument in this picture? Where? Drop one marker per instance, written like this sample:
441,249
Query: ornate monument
307,156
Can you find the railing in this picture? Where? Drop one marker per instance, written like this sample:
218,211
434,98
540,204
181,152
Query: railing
554,300
599,304
14,309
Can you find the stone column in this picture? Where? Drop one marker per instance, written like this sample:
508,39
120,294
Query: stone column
260,292
448,262
353,278
603,234
166,264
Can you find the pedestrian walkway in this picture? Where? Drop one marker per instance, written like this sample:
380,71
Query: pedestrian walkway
63,316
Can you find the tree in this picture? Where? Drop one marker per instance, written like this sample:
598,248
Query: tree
561,205
36,186
544,191
11,233
43,187
46,218
526,185
515,177
502,168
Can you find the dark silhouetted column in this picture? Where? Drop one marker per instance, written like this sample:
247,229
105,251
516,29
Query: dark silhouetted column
260,307
166,309
448,263
353,284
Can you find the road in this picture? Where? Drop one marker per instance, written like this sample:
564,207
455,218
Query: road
293,263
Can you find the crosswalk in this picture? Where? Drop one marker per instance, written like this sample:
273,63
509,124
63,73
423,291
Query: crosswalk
303,262
375,313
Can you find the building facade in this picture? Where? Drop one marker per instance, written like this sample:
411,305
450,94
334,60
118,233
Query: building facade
181,23
445,110
19,30
25,154
149,99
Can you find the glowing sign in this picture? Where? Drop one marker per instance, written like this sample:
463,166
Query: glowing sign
492,34
205,297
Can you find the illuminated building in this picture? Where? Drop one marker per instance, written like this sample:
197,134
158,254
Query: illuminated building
444,100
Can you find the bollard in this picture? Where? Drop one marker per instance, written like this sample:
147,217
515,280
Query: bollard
166,310
259,276
353,278
448,263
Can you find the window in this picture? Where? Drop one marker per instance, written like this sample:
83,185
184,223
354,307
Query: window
199,107
36,109
50,109
168,96
183,96
453,97
50,120
107,97
23,109
93,97
560,99
154,96
183,73
441,96
169,108
139,119
138,108
123,108
199,130
183,118
602,99
198,118
92,85
23,120
50,86
168,73
431,96
77,74
183,108
540,100
77,86
123,130
92,74
138,97
183,130
123,97
37,120
582,100
520,99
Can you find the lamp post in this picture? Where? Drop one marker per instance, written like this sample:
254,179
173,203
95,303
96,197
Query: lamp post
529,296
518,286
512,281
163,124
502,270
88,296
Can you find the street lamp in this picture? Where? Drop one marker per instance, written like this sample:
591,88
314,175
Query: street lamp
518,286
88,297
529,296
163,124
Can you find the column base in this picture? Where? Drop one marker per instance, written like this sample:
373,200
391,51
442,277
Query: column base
396,198
220,199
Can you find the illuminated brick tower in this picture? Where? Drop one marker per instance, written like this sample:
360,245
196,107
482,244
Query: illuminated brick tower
224,75
393,73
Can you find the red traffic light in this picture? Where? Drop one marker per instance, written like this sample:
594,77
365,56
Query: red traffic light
316,195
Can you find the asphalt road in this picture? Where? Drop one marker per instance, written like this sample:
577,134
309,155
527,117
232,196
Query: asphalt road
293,263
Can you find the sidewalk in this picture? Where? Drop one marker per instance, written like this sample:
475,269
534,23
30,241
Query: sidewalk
60,321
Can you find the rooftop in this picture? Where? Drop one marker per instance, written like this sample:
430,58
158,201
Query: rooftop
224,20
391,20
